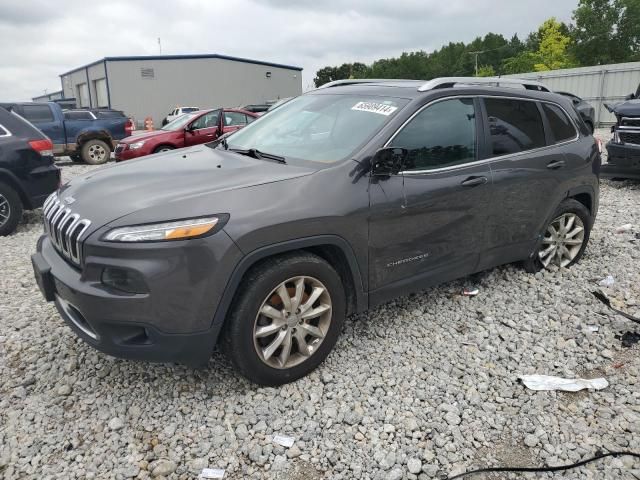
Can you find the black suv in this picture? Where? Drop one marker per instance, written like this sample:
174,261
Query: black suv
339,200
27,173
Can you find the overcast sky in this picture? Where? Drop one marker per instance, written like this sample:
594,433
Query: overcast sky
43,38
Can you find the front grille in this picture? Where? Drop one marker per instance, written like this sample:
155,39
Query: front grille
629,122
65,229
630,137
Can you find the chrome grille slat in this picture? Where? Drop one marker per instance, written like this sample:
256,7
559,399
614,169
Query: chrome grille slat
66,229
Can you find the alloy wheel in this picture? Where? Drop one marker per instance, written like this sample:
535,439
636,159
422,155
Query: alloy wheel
5,210
562,240
97,153
292,322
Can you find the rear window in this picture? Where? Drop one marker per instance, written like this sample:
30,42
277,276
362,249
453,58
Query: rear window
37,113
515,126
108,114
77,116
561,127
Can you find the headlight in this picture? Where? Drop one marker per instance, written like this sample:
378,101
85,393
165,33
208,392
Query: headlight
136,145
156,232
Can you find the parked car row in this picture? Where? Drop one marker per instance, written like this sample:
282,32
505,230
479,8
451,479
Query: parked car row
334,202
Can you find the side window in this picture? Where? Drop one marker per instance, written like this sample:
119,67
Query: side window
37,113
441,135
208,120
4,132
514,125
233,119
250,119
77,116
561,127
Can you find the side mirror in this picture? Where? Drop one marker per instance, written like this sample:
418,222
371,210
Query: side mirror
388,161
576,101
631,96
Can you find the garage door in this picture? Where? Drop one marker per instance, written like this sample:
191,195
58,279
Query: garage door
101,92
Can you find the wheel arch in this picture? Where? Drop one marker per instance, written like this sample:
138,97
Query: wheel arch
333,249
585,195
10,179
164,144
103,135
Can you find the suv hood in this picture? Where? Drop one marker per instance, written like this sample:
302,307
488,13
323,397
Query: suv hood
194,175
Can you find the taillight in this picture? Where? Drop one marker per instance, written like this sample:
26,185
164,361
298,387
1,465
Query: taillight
599,142
129,127
43,147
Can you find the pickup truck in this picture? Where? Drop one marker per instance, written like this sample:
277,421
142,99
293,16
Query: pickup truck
624,148
90,139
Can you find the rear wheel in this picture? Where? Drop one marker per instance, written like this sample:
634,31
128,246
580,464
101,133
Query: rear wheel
10,209
95,152
286,319
565,238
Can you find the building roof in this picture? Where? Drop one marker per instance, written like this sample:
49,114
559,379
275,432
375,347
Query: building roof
182,57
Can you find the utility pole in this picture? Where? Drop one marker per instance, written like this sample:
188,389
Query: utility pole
476,54
159,46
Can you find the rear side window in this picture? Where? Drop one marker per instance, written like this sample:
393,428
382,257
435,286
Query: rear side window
514,125
441,135
37,113
561,127
3,131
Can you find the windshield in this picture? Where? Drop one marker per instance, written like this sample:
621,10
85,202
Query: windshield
179,122
189,109
316,127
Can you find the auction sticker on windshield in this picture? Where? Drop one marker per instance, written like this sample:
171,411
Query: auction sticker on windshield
379,108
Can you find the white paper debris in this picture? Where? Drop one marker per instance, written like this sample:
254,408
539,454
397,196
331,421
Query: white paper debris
607,282
592,328
546,382
470,291
284,441
624,228
212,473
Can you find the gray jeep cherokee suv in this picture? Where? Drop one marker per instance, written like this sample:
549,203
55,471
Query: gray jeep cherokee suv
339,200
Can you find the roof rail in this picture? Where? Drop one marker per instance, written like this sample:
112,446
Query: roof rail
448,82
355,81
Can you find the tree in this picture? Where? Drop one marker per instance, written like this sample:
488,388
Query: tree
486,71
594,32
344,71
553,52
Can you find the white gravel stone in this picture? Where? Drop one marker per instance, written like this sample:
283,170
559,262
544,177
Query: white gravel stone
439,368
116,423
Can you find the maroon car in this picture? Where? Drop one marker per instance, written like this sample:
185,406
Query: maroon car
187,130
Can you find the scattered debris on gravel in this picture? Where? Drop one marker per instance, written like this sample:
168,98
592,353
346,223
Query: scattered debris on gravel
422,387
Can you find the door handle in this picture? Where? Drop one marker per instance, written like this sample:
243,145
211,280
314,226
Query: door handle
556,164
474,181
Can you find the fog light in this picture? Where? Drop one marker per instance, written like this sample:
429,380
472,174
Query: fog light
124,280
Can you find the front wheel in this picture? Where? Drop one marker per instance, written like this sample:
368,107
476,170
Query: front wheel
565,238
95,152
163,148
286,319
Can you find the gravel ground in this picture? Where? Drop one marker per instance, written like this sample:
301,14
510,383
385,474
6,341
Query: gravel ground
421,387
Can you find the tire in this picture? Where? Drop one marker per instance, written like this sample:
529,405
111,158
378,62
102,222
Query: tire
567,209
95,152
10,209
241,340
163,148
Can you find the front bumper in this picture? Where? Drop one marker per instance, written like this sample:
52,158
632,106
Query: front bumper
623,161
159,326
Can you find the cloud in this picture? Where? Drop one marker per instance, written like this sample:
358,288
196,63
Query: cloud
48,38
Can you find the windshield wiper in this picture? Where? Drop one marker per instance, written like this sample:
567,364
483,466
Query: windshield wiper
255,153
222,140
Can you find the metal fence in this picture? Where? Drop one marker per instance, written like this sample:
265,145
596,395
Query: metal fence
597,85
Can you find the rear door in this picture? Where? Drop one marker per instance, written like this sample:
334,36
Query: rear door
434,225
203,129
233,121
528,173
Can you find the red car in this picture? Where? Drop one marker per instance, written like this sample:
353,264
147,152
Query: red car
189,129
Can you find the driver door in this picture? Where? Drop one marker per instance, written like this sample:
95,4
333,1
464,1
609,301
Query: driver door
203,129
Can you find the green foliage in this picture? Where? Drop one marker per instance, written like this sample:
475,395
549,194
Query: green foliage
486,71
603,31
553,51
